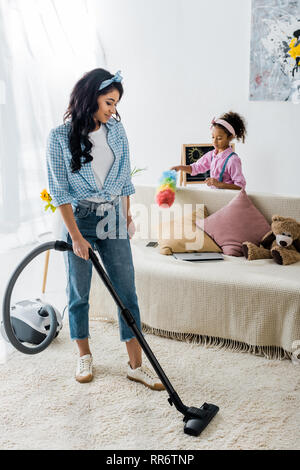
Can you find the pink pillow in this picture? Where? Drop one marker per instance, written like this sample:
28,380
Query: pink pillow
237,222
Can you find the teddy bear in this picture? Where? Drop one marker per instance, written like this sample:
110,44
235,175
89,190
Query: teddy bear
282,243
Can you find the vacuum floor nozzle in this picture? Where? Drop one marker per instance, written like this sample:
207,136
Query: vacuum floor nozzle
196,419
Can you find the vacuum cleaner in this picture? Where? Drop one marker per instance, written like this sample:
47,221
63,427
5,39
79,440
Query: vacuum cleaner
195,419
31,322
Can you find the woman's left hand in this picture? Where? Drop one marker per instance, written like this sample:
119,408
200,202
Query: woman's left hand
130,226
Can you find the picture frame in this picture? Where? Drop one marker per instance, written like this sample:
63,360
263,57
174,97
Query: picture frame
190,153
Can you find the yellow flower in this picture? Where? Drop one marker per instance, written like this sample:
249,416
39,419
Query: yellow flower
46,196
294,50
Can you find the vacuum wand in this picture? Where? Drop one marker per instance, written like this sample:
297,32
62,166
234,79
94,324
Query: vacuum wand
196,419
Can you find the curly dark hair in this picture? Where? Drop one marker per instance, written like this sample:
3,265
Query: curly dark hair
82,107
237,122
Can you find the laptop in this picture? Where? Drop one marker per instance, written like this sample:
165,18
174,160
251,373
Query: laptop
205,256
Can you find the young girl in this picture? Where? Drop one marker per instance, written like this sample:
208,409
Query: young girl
89,177
225,165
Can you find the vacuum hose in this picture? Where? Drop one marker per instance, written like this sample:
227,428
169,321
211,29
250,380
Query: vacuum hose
46,308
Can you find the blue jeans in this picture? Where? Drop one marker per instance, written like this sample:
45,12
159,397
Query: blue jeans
108,235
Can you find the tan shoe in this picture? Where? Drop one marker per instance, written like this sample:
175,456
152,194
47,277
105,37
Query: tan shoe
145,376
84,370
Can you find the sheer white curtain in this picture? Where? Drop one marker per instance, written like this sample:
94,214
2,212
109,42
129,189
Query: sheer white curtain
45,47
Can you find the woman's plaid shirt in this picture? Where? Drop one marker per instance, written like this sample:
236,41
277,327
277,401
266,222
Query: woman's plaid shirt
67,187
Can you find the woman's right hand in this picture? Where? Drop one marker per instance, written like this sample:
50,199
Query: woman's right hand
81,247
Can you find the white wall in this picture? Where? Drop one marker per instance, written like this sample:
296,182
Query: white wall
184,62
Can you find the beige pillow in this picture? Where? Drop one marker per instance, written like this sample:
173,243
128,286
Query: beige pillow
181,235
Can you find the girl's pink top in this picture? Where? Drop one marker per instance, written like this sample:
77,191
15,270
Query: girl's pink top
214,162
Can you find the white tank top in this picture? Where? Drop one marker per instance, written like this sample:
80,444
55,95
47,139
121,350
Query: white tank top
103,158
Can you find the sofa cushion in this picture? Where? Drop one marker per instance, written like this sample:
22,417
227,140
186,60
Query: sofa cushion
181,235
235,223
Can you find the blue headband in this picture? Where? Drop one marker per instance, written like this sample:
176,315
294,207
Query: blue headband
116,78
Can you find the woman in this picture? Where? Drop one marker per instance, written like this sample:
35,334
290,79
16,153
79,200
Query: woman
89,175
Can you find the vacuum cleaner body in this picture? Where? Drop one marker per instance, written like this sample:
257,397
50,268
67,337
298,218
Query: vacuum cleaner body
31,322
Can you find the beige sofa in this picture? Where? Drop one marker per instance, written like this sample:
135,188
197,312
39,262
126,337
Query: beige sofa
251,306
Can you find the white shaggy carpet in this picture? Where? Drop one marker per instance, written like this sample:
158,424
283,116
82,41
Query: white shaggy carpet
43,407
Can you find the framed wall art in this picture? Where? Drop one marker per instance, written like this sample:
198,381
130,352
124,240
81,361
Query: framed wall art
275,51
